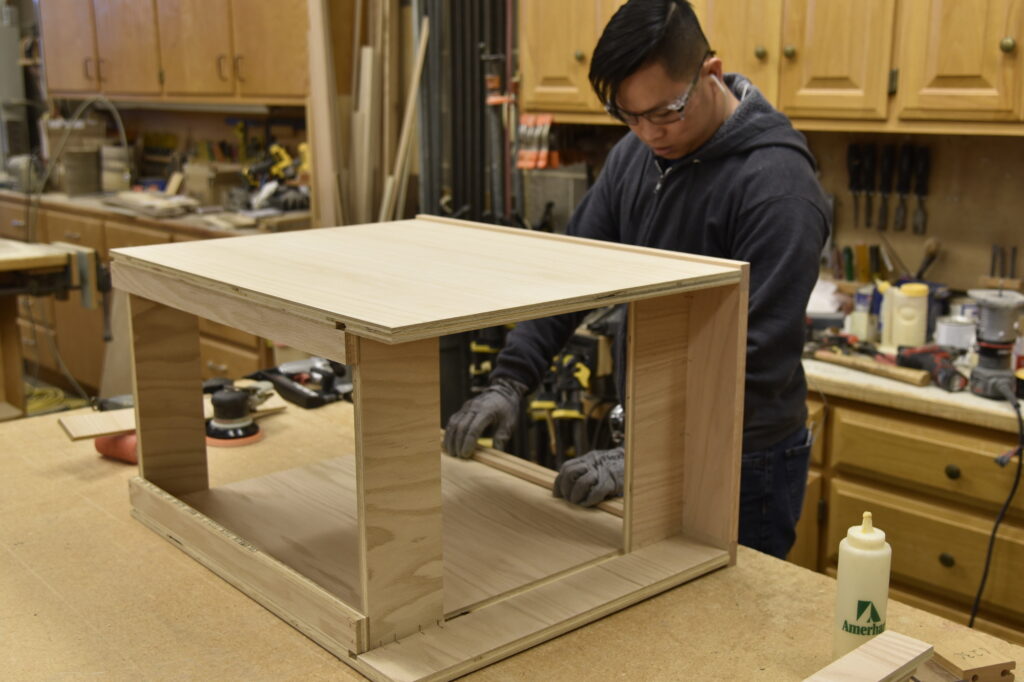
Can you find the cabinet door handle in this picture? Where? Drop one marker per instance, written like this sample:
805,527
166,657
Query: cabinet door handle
952,471
85,68
579,56
73,236
947,560
789,51
238,68
761,52
1007,44
221,59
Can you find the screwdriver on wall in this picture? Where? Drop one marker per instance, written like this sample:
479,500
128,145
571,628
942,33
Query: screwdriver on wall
922,165
905,168
853,166
868,157
885,188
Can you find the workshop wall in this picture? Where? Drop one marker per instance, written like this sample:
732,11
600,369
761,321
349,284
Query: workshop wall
974,202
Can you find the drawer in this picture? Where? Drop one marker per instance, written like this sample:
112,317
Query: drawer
13,221
935,547
36,309
120,234
932,455
76,229
221,359
235,336
37,344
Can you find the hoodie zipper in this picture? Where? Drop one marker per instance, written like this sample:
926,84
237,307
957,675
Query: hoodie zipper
662,174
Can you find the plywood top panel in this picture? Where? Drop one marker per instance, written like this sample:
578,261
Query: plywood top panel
410,279
15,255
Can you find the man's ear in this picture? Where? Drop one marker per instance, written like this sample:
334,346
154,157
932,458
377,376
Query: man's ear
714,66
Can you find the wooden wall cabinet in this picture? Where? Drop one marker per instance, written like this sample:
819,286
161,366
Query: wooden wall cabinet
961,60
69,50
836,58
126,43
176,49
195,47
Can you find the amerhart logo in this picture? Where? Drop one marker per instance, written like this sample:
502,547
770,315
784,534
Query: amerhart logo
865,611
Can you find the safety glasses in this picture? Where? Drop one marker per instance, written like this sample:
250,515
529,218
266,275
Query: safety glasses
672,112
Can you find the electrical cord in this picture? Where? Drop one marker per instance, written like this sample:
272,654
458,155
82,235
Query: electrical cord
1007,391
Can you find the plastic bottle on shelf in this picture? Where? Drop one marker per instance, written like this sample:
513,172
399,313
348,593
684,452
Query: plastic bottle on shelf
862,587
910,315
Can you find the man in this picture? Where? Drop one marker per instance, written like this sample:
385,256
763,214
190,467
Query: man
708,167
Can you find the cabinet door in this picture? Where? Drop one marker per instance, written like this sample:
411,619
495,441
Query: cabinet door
69,45
836,58
960,60
270,47
556,41
127,46
746,35
195,46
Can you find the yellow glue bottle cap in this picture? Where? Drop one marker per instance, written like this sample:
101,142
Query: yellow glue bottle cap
883,286
866,536
914,289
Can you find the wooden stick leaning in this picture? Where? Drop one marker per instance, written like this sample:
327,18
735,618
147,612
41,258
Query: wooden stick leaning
917,377
396,178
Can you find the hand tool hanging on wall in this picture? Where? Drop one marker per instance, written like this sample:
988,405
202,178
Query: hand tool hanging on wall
885,188
853,166
922,166
868,158
903,175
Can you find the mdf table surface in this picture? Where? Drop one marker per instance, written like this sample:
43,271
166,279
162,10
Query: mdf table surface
86,592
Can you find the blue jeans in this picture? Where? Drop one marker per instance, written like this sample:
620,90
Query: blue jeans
772,486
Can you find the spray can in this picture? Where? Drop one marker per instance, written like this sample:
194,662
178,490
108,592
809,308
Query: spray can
862,587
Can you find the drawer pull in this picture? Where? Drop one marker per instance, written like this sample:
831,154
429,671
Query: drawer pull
73,236
15,223
947,560
952,471
218,367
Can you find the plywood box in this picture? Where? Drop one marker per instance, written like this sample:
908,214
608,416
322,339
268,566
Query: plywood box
403,562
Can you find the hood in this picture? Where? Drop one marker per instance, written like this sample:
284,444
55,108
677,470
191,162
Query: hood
754,124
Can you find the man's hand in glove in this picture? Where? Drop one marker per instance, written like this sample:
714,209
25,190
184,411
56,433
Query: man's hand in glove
497,405
592,478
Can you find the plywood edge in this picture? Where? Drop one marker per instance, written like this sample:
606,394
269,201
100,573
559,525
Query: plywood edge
128,273
269,318
319,615
661,253
499,630
532,473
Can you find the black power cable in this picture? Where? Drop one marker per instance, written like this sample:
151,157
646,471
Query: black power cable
1007,392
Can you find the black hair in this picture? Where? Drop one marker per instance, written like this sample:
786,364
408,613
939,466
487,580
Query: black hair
644,31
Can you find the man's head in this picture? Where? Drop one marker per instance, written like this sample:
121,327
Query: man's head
653,69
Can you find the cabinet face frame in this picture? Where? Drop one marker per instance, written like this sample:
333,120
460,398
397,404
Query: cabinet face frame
952,66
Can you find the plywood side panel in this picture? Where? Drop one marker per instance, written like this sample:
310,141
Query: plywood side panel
398,478
10,354
716,351
168,399
656,419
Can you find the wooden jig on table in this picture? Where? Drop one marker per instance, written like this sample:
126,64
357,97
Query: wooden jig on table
403,562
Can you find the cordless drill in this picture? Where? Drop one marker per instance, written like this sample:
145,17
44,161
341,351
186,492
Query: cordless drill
937,361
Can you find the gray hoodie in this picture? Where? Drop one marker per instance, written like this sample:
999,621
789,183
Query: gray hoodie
750,194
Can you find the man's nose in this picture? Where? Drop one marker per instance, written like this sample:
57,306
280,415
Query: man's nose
647,130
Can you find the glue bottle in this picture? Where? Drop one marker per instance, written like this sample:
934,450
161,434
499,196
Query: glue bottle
885,313
862,587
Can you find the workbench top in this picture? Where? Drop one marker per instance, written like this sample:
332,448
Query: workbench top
86,591
965,407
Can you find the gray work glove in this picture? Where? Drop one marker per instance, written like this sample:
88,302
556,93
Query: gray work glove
497,405
592,478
